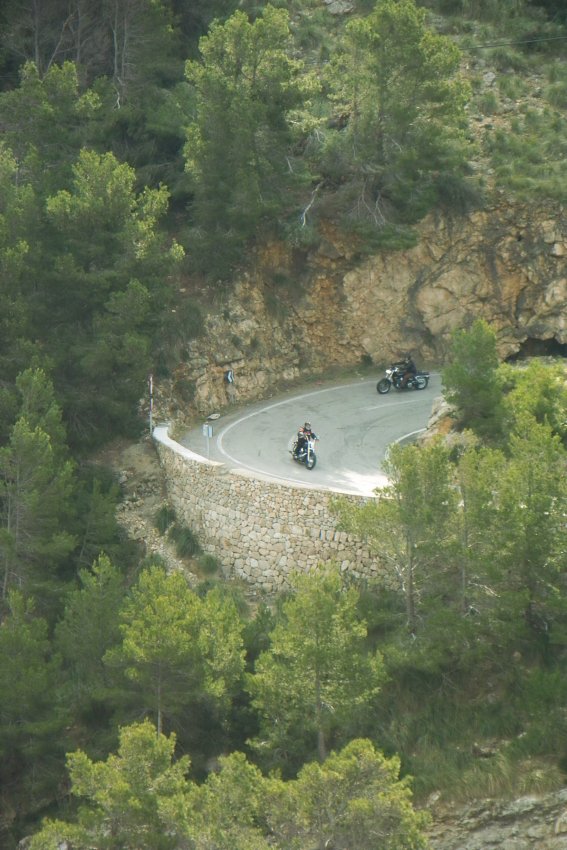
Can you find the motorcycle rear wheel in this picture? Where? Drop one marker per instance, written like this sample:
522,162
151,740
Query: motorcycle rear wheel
383,386
421,381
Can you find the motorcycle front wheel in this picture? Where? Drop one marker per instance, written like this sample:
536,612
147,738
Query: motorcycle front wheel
421,382
311,461
383,386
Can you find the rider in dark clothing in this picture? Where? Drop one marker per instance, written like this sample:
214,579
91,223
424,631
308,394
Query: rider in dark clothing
303,435
409,368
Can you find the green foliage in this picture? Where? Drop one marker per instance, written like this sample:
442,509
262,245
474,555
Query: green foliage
143,798
178,650
315,679
125,57
356,792
471,381
512,86
257,633
508,59
89,628
347,801
398,85
19,213
95,525
541,693
183,323
529,156
164,518
112,258
83,275
556,94
409,524
390,237
185,390
228,810
123,796
139,83
33,716
185,539
208,564
457,194
488,102
532,500
504,777
478,475
485,568
313,34
248,88
46,121
88,306
541,392
36,490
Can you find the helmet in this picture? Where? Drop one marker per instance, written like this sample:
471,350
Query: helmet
307,426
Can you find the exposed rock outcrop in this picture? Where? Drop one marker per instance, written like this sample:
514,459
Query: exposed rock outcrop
533,822
292,316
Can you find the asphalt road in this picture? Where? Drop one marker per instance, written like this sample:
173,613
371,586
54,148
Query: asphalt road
355,426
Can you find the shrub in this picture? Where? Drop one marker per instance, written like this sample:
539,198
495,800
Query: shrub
458,194
487,103
388,238
512,86
152,560
208,564
529,159
186,543
557,72
507,59
163,519
556,94
471,381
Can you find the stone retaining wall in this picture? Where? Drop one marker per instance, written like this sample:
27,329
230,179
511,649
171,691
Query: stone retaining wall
259,530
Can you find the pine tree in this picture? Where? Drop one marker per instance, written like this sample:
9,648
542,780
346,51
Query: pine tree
317,676
247,88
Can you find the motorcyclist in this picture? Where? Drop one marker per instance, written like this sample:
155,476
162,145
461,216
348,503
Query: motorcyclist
409,370
304,433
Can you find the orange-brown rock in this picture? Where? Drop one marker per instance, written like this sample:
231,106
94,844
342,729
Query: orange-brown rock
297,313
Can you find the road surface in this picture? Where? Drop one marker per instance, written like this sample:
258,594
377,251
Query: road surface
355,426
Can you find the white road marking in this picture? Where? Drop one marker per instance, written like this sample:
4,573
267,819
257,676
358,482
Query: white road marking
296,482
271,407
411,434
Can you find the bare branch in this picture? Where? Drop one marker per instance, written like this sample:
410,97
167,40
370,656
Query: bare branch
310,204
66,25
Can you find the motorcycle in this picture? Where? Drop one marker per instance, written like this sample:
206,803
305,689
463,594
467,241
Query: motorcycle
306,454
394,376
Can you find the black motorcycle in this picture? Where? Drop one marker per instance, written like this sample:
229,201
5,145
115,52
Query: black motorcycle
306,453
394,376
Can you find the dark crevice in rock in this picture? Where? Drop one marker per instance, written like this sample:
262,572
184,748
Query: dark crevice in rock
539,348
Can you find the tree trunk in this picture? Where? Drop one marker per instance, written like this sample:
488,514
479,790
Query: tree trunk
321,747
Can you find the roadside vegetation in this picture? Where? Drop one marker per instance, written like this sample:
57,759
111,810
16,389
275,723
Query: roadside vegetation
136,138
449,678
474,529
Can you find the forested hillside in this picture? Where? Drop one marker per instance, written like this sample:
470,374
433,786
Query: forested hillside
147,148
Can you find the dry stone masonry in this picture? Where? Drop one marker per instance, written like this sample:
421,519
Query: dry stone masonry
259,530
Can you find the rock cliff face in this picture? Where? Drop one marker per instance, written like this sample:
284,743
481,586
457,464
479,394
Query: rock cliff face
534,822
297,314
